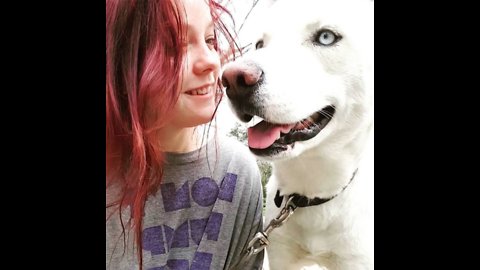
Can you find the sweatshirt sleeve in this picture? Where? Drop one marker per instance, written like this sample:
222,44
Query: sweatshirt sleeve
249,219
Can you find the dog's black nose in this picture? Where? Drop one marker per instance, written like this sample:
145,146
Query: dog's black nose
241,80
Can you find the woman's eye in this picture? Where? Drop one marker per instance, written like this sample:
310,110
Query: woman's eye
326,37
211,42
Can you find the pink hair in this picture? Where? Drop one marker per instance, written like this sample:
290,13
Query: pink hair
144,40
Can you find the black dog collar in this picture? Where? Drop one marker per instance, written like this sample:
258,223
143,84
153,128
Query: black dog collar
303,201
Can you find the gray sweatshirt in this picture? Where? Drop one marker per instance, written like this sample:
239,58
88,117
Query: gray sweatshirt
207,209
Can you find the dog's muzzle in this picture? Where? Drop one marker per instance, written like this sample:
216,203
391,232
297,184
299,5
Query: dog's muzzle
242,81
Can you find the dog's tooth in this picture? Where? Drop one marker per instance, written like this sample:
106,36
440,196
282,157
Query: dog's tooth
251,123
255,120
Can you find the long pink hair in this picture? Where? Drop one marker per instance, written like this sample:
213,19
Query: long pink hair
144,40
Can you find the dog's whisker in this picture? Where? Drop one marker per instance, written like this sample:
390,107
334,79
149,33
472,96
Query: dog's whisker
246,48
326,114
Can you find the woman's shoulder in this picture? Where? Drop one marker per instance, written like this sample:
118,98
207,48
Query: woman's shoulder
237,160
237,157
235,149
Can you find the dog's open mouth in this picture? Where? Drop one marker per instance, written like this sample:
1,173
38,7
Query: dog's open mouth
266,139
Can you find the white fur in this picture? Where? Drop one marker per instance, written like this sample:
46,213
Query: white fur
301,78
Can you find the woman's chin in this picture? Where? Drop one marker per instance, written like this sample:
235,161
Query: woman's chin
198,119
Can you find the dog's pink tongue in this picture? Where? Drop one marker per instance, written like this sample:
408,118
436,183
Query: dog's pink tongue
263,134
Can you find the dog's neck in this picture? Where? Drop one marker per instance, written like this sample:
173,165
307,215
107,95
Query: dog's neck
304,201
317,174
321,172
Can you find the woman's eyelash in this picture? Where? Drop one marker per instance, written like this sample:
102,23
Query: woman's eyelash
211,41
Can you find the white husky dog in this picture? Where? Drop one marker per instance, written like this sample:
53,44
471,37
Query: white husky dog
308,86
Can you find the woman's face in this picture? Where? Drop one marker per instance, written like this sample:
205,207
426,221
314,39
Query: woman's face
201,68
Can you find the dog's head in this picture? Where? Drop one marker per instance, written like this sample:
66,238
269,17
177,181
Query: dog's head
309,78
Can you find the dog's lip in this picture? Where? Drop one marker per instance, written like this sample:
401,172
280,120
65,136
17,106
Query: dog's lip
300,131
272,150
309,127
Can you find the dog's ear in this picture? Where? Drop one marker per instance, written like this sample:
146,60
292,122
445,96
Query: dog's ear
278,199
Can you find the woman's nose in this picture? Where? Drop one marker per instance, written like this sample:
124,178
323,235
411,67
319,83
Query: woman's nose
206,60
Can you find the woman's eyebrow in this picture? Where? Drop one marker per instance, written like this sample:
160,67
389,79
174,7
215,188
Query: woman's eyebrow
193,26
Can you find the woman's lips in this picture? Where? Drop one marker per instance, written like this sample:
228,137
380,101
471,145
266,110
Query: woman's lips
200,91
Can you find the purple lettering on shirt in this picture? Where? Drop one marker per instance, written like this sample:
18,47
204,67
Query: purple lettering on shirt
152,240
180,236
201,261
205,191
178,264
227,187
213,226
175,200
197,227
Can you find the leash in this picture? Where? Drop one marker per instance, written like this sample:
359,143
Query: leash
260,241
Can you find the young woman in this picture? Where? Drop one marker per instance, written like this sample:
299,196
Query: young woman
177,197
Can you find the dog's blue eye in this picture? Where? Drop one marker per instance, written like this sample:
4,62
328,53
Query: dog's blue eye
259,44
326,37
